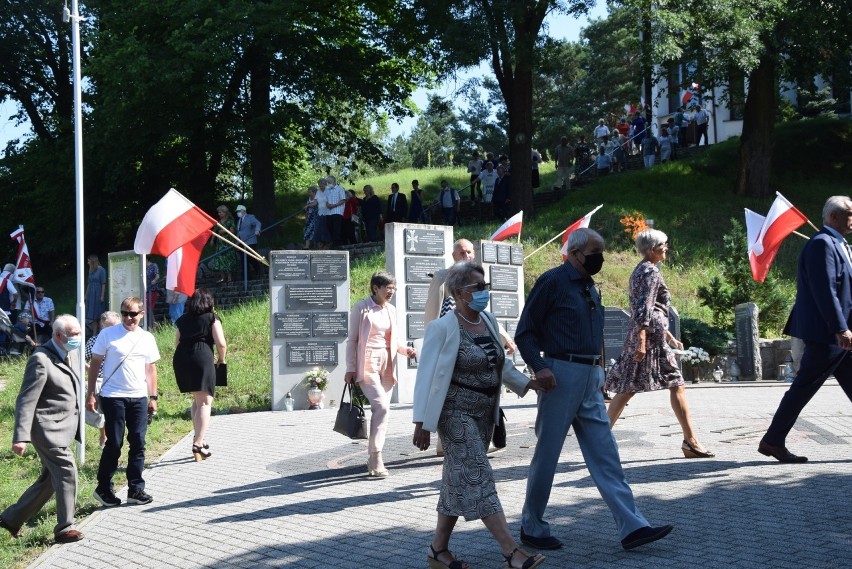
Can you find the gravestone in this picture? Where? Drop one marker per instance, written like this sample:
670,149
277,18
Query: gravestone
504,269
748,341
616,322
674,322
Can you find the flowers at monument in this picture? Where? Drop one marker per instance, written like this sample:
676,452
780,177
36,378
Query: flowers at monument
694,356
316,378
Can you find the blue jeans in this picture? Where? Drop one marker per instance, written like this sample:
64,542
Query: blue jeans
121,412
577,402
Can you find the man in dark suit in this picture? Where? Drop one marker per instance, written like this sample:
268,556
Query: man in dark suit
397,206
47,415
502,194
821,317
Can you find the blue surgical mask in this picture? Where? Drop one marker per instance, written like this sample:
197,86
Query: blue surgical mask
73,343
479,300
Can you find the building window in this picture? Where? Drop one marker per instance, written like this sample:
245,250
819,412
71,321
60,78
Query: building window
736,95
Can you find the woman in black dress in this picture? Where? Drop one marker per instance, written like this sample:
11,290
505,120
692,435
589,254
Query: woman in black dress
197,330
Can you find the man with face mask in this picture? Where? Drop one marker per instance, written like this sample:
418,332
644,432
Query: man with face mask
563,319
49,389
248,229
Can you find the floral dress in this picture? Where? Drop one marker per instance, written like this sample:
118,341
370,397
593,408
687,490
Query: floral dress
465,426
649,300
310,220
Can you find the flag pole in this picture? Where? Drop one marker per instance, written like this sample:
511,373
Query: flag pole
250,252
802,235
256,254
554,238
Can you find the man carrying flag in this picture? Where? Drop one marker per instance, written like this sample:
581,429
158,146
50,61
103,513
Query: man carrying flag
822,317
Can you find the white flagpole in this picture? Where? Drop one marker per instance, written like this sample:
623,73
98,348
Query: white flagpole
74,18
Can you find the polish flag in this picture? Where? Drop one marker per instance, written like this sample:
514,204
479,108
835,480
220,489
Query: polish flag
765,234
182,265
23,267
511,227
582,222
170,223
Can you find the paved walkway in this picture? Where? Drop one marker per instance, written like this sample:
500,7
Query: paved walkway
283,490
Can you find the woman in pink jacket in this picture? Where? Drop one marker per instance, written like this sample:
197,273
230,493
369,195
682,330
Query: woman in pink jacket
370,351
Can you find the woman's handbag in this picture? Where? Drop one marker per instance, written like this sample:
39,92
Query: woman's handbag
222,375
351,421
499,436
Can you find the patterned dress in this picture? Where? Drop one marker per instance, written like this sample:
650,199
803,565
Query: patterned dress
465,426
649,300
310,221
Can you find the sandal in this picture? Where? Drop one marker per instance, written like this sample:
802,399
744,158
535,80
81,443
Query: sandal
435,563
200,452
532,560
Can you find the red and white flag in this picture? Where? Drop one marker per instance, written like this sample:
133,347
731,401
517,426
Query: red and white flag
582,222
182,265
511,227
170,223
765,234
23,267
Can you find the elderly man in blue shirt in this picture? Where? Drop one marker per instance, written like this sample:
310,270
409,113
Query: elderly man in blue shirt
563,320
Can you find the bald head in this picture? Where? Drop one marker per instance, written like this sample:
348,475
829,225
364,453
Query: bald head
463,251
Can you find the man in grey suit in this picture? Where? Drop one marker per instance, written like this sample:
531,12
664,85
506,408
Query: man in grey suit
47,415
248,229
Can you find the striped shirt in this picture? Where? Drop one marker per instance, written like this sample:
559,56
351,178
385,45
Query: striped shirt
562,315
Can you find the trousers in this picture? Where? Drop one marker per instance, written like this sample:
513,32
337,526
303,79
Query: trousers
377,386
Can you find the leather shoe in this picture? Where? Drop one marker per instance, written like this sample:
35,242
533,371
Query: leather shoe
781,454
69,536
645,535
548,542
14,532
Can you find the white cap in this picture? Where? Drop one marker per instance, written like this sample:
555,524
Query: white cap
241,207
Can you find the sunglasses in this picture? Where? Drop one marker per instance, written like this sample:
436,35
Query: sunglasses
479,286
127,313
587,296
39,292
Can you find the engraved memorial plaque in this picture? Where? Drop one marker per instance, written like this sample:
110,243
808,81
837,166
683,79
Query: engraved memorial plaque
291,325
311,353
424,242
504,305
330,325
510,326
616,322
517,255
329,267
504,278
415,298
416,327
418,269
504,254
489,253
290,267
310,297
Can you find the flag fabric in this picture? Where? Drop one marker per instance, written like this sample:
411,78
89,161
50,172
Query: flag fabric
182,265
170,223
582,222
783,218
23,266
511,227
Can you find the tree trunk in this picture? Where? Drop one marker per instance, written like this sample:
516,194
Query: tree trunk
758,140
259,128
520,146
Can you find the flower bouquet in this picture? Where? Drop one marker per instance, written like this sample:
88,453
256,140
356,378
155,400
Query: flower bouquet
693,360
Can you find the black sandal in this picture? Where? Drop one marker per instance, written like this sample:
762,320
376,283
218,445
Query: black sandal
532,560
435,563
200,452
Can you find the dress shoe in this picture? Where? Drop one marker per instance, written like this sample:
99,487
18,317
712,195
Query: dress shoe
781,454
14,532
548,542
69,536
645,535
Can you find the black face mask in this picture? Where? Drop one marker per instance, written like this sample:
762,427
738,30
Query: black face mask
592,263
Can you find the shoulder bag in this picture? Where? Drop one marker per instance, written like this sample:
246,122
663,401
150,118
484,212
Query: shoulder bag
351,421
498,438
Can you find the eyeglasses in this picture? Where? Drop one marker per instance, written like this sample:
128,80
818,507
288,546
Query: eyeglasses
39,292
587,296
126,313
479,286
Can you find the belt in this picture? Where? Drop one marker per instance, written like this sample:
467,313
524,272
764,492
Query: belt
587,360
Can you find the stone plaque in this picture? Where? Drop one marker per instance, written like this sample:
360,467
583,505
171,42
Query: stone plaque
504,254
424,242
291,325
674,322
416,327
504,278
310,297
748,341
510,326
517,255
489,253
504,305
616,321
289,267
330,325
311,353
415,298
419,269
329,268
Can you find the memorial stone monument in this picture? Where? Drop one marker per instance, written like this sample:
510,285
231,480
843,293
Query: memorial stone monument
504,269
309,320
616,322
748,342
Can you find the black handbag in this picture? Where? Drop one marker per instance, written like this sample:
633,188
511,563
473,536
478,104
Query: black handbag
499,437
222,375
351,421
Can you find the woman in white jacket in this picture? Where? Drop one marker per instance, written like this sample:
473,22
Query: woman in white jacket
457,394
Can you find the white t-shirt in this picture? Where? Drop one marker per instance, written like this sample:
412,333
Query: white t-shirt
474,167
601,131
322,199
125,378
488,182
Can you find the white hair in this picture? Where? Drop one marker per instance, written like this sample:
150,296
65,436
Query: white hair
579,237
648,239
833,205
63,322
